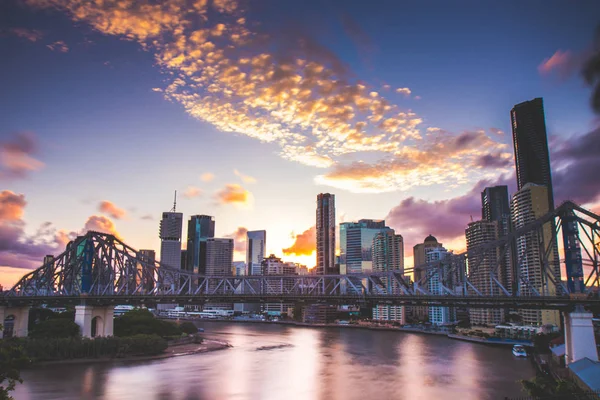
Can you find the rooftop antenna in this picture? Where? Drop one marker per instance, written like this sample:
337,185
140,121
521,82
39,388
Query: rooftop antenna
174,203
469,215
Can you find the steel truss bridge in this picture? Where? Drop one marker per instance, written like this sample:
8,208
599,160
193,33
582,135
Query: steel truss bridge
100,269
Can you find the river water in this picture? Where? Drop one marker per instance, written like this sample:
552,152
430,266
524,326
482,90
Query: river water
276,362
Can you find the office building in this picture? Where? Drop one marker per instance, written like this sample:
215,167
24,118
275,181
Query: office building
144,274
256,245
435,285
275,266
219,262
356,242
200,228
532,158
528,204
325,231
495,207
419,259
483,270
319,314
239,268
388,255
170,240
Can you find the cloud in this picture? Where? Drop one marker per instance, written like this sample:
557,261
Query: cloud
17,249
591,72
192,192
304,243
445,219
497,131
111,209
564,63
58,46
207,177
244,178
147,217
576,163
100,223
233,194
16,156
33,35
447,157
239,239
405,91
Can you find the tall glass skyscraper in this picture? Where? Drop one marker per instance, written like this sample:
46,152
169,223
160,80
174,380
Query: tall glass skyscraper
200,228
170,239
532,159
325,227
256,244
356,242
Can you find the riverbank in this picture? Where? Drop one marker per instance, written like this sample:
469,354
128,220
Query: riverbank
488,341
208,345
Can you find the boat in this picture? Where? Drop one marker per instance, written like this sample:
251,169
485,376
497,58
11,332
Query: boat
519,351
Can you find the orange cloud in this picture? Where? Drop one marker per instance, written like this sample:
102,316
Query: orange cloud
192,192
33,35
12,206
239,239
58,46
233,194
100,223
111,209
565,63
207,177
304,243
244,178
16,156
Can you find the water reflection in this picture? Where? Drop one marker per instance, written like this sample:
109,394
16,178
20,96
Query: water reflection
294,364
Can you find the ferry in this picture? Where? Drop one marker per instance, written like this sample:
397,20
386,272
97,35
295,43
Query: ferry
519,351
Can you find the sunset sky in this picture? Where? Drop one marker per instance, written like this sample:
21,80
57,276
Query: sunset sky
250,109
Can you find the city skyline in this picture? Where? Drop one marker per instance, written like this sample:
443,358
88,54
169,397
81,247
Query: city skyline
420,165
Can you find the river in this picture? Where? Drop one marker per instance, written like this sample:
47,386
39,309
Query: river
276,362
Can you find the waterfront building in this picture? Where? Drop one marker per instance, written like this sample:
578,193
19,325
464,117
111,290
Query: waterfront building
275,266
420,258
319,314
325,232
495,207
435,286
483,270
200,228
528,204
532,158
256,244
388,255
356,242
219,262
146,256
171,225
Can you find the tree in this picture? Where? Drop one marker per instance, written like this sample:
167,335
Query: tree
55,328
188,327
12,360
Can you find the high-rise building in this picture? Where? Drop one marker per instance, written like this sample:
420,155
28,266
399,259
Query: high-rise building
275,266
532,158
219,262
527,205
256,245
170,239
435,283
200,228
419,259
325,229
483,269
495,207
149,257
356,242
388,255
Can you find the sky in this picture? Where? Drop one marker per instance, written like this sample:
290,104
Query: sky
250,109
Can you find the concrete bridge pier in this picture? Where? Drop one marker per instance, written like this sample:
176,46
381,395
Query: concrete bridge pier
579,336
94,320
20,321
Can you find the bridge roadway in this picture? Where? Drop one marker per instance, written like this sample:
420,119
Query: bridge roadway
562,303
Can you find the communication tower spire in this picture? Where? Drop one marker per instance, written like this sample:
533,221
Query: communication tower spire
175,203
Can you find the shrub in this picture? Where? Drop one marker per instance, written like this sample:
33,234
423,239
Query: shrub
55,328
188,327
142,322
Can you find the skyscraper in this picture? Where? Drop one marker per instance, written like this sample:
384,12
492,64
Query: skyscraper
435,285
527,205
356,242
200,228
388,255
495,207
256,244
325,229
420,258
483,269
170,239
532,159
147,256
219,262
